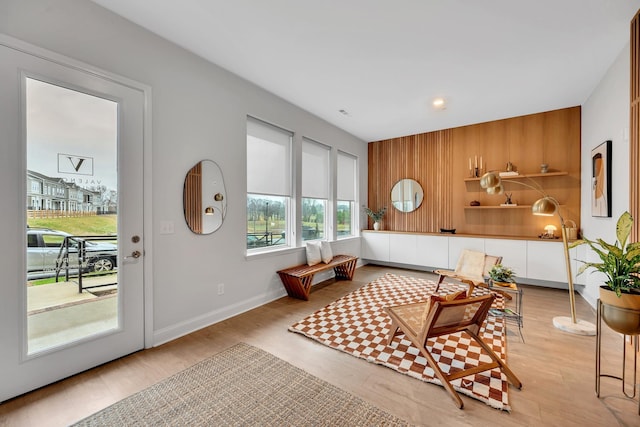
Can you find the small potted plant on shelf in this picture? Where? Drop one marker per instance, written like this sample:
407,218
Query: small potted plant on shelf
501,275
376,216
620,263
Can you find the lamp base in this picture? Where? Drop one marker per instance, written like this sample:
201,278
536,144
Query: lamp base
581,327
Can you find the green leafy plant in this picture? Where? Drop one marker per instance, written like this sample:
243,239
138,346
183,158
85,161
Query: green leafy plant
376,216
500,273
620,261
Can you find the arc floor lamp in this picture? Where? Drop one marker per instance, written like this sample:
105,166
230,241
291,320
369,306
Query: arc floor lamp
547,206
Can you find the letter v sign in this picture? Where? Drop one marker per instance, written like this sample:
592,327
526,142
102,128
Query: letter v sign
77,165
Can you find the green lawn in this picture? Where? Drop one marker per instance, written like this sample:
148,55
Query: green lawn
79,226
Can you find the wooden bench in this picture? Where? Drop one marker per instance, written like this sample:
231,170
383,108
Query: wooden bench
297,280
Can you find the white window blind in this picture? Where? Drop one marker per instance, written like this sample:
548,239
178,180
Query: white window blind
268,159
315,170
346,177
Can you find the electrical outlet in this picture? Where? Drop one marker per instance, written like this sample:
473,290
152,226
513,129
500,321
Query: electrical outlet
220,288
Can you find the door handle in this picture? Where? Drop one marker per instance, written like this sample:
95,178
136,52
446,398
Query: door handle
134,255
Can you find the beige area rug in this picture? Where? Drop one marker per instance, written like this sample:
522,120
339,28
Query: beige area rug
358,325
242,386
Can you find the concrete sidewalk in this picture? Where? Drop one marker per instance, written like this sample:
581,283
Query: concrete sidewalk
52,295
57,314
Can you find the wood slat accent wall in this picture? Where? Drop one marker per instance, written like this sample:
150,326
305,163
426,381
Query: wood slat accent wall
193,198
439,162
427,158
634,127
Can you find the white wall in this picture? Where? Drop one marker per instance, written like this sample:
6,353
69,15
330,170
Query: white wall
199,112
605,116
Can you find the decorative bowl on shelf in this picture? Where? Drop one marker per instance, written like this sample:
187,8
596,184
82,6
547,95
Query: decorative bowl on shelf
474,203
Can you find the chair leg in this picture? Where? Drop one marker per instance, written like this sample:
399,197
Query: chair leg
393,330
443,378
440,279
513,379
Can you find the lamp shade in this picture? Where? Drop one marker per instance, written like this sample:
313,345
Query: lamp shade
545,207
497,189
490,180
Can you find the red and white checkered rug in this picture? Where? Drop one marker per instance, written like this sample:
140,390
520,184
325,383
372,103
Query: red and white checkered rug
358,325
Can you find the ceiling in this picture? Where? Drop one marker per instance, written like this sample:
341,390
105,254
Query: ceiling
383,62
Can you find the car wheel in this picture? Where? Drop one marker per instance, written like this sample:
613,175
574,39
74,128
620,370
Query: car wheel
102,264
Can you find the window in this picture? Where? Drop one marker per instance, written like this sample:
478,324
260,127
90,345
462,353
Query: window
32,241
52,240
315,189
346,197
268,185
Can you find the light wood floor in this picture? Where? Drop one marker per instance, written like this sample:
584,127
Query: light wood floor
556,368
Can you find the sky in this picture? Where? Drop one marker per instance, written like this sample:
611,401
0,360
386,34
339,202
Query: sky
71,135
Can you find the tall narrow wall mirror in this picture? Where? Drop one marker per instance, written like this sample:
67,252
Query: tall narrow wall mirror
204,197
407,195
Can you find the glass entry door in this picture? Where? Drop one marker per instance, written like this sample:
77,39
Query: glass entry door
73,294
72,215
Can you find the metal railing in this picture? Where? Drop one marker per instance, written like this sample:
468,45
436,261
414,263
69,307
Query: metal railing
262,240
78,244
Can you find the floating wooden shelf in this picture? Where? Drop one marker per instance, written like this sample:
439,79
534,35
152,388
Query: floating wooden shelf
525,176
500,207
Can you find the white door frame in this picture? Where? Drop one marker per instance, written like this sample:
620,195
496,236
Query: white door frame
147,260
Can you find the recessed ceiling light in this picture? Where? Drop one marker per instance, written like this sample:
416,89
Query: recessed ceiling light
439,103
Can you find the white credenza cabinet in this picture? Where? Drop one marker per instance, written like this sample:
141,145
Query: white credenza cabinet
541,262
429,256
406,248
375,246
458,244
513,253
546,261
403,247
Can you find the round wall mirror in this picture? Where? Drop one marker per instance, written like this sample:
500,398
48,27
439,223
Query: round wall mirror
204,198
407,195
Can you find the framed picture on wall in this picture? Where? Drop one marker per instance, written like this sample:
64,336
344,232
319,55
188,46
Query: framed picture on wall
601,180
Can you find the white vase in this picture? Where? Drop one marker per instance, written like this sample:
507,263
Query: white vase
376,226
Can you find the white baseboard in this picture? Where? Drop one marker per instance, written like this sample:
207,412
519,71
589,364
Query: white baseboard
186,327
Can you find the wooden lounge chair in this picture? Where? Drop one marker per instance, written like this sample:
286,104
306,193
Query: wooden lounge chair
433,318
471,269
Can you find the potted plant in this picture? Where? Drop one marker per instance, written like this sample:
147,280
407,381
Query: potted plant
376,216
501,275
620,263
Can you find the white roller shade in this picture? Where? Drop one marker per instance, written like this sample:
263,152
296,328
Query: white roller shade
315,170
346,177
268,159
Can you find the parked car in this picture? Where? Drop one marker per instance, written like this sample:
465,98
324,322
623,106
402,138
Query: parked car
43,250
